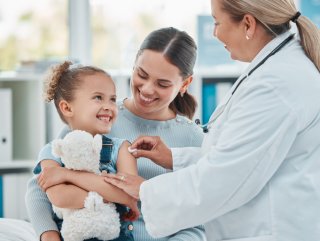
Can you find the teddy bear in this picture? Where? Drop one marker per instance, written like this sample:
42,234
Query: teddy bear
79,150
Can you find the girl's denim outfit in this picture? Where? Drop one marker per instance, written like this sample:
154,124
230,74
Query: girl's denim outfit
106,164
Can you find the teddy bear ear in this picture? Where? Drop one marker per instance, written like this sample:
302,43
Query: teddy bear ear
97,143
57,147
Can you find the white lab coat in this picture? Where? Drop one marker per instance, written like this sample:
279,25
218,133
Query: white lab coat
257,175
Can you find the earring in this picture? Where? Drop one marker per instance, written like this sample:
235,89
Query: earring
181,94
247,37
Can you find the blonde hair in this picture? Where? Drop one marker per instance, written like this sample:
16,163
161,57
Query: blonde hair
275,16
64,79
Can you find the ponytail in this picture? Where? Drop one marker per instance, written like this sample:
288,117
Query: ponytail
310,39
185,105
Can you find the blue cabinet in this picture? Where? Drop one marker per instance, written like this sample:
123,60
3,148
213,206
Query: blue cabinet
213,89
1,198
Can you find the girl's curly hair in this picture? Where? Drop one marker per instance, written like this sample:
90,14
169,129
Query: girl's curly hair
64,79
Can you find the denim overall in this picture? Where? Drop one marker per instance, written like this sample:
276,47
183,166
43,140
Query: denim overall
106,165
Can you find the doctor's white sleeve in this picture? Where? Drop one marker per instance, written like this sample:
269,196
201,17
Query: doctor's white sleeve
184,156
254,141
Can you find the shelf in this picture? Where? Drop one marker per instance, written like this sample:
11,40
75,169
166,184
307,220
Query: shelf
12,76
28,114
16,166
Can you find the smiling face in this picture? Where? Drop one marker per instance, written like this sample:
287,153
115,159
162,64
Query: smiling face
93,108
229,32
155,83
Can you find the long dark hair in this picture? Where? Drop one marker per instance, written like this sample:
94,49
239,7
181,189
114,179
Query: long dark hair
179,49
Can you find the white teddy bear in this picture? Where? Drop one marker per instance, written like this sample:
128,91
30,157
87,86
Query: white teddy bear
79,150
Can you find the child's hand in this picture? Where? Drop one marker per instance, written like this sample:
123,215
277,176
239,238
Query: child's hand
134,213
130,216
51,176
50,236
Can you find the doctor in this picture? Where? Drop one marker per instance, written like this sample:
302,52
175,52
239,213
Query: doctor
257,175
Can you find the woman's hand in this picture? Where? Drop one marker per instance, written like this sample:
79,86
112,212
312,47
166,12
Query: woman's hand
154,148
51,176
128,183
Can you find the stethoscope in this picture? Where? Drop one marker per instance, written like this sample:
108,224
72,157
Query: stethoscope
219,111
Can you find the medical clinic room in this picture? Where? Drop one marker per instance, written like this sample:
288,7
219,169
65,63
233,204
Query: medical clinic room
162,120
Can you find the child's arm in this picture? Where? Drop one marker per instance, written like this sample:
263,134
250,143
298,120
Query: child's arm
53,178
126,163
62,195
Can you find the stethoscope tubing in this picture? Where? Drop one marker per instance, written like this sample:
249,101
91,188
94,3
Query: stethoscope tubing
206,126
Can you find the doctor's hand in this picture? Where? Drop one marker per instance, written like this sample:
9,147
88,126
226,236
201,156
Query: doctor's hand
128,183
154,148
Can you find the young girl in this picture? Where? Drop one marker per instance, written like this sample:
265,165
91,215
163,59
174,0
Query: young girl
85,99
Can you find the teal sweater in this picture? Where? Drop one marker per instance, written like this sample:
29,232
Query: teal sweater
178,132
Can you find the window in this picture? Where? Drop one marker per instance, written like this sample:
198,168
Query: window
32,30
119,27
